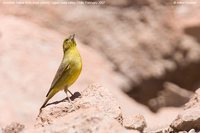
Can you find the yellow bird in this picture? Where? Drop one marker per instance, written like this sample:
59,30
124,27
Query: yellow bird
69,70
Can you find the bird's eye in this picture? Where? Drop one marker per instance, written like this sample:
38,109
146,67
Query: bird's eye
66,40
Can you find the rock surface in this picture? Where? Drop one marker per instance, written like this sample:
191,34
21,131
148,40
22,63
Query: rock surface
172,95
136,122
94,110
93,96
85,120
13,128
190,117
188,120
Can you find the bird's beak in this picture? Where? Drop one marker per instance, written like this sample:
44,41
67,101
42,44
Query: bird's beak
72,37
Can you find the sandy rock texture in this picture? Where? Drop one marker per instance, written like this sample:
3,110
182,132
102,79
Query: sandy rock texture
93,110
93,96
136,122
187,121
13,128
190,117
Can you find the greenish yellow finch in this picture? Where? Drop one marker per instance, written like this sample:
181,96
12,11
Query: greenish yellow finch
69,70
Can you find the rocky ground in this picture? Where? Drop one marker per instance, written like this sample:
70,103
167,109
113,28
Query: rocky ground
95,109
92,110
146,53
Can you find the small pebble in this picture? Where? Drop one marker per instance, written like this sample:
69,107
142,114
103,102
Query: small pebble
192,131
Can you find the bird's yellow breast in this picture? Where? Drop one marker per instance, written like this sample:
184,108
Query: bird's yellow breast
75,66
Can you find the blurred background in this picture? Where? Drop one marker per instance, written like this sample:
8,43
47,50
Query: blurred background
146,52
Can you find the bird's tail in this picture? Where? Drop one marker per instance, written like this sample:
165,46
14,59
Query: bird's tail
49,96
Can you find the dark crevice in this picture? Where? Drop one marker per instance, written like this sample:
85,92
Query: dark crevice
193,31
187,76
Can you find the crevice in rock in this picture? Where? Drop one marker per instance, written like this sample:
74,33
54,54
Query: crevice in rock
185,76
193,31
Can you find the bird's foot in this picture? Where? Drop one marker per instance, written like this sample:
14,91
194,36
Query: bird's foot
74,107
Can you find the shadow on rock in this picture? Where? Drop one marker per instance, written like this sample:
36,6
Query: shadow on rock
72,98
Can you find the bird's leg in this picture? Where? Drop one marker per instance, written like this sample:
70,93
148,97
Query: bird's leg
66,90
70,92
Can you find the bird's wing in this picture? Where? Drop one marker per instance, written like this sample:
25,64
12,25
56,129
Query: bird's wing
62,68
